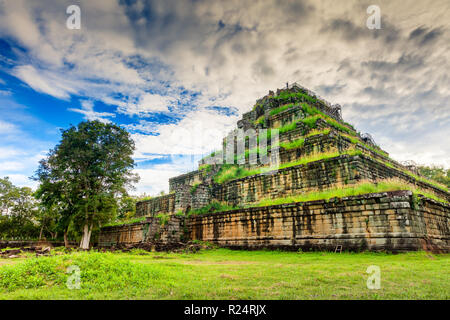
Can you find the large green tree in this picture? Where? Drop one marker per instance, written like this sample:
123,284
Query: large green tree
86,173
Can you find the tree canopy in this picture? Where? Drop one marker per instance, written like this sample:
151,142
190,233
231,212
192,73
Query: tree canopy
86,173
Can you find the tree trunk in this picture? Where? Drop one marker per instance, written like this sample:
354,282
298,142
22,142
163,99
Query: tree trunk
66,241
86,238
40,233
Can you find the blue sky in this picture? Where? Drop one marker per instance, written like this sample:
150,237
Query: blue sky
178,75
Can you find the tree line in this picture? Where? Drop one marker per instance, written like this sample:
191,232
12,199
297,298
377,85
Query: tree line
83,183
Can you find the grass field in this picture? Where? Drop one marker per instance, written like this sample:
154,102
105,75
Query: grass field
226,274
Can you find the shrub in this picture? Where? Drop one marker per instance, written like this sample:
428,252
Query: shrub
99,272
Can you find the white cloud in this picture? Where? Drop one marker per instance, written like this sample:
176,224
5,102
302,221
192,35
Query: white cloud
12,166
22,181
87,109
44,81
199,132
148,103
156,178
8,152
7,128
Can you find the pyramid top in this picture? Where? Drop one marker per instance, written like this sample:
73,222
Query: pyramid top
297,93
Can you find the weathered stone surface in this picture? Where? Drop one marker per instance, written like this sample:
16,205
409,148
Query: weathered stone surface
318,225
303,226
162,204
149,230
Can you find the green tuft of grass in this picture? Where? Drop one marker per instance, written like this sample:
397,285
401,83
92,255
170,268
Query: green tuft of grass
260,120
126,221
293,145
296,96
163,218
280,109
214,206
301,141
205,168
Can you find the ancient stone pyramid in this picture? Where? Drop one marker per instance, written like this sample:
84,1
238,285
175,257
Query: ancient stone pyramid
325,186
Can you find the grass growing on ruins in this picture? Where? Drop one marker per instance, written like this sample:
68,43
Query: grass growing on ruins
226,274
360,188
301,141
316,132
289,96
354,140
293,144
415,176
280,109
260,120
125,221
320,156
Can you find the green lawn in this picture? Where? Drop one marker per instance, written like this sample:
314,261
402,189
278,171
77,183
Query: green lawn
226,274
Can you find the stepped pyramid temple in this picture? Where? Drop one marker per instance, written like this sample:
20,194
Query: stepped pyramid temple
294,175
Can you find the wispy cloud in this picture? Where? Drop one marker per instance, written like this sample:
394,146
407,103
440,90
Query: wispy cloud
87,109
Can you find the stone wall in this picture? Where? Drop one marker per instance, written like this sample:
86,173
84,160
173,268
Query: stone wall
285,117
149,230
192,197
392,221
190,178
385,221
162,204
